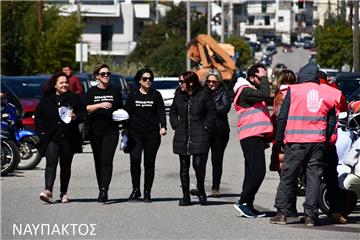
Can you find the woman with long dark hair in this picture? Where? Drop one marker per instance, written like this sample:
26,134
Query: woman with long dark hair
192,114
59,135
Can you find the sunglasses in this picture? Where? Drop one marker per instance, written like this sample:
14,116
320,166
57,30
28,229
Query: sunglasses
181,82
212,81
145,79
105,74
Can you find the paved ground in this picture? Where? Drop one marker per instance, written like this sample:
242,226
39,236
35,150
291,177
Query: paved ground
24,216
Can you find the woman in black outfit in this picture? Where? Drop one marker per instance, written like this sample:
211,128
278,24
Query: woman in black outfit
219,133
102,100
192,114
58,139
146,125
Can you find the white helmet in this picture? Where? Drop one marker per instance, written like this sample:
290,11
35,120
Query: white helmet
120,115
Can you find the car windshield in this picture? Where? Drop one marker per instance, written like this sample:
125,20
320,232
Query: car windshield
348,83
165,84
26,88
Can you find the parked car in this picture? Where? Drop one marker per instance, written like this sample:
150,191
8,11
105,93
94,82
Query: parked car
287,48
348,82
308,44
270,50
167,87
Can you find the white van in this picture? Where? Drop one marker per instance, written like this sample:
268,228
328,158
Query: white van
167,87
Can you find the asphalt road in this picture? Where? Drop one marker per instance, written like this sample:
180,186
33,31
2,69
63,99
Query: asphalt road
24,216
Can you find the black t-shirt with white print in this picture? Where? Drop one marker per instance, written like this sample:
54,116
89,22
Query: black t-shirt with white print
101,122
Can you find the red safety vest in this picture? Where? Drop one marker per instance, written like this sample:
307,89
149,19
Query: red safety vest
252,121
337,95
307,118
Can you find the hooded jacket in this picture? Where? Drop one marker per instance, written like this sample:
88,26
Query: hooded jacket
252,95
308,73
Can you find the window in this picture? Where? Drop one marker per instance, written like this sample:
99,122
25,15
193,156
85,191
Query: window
106,37
251,20
301,4
281,19
267,20
263,6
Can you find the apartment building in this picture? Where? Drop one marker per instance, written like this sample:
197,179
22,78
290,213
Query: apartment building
112,27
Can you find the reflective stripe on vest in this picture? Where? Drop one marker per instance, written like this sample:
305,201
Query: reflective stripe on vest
252,121
307,118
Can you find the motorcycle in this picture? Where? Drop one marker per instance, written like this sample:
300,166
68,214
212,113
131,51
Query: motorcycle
348,150
25,140
10,155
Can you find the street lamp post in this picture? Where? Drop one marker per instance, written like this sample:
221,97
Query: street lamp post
188,31
81,47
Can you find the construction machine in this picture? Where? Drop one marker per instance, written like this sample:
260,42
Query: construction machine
207,54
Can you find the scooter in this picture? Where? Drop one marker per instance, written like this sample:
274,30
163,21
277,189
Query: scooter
348,150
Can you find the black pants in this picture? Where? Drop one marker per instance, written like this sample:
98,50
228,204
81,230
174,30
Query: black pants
103,147
53,153
310,157
331,161
150,147
255,169
217,147
199,165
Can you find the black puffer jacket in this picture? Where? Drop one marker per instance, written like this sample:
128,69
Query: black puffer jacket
191,117
223,105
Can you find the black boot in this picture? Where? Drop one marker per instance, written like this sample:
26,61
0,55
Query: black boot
135,195
147,196
185,201
103,195
202,196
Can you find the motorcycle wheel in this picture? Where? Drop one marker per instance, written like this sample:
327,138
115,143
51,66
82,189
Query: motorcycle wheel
28,153
10,156
324,204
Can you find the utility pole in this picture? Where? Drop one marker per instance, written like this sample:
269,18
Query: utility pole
81,46
156,11
40,7
209,17
356,64
222,22
188,25
231,19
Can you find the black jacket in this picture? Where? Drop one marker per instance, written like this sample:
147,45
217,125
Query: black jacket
49,125
191,117
223,106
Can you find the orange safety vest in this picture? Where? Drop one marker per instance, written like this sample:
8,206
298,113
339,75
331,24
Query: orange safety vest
337,95
307,118
252,121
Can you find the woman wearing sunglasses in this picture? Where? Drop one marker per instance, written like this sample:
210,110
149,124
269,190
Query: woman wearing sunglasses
219,133
147,123
192,114
102,100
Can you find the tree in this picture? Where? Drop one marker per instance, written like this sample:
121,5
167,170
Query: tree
242,48
334,43
29,49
